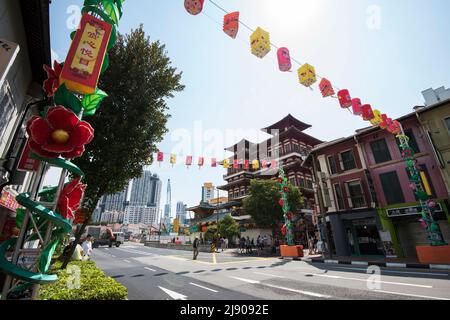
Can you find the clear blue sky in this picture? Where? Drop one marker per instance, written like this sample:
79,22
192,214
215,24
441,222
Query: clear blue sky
385,52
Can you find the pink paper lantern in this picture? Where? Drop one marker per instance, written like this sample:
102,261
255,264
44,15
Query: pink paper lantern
284,59
194,7
356,106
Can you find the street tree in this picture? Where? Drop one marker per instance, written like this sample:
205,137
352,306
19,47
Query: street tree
263,203
131,120
228,227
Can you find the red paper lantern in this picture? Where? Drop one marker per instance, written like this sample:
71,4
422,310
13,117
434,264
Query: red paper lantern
213,162
326,88
284,59
395,127
367,112
344,99
189,161
356,107
231,24
201,161
235,164
264,163
385,121
194,7
160,156
246,164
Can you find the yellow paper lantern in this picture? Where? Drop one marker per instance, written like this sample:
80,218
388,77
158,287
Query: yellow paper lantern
255,164
173,159
377,118
307,75
226,164
260,42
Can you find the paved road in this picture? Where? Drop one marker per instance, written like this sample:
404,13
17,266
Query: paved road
162,274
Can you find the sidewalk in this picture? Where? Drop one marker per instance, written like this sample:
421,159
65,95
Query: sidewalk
371,261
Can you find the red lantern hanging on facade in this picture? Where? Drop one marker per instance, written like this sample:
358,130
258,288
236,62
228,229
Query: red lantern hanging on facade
345,99
231,24
213,162
326,88
367,112
235,164
160,156
246,164
194,7
264,163
357,106
395,127
284,59
188,161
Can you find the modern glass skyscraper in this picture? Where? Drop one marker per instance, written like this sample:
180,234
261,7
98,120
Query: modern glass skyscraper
146,190
181,212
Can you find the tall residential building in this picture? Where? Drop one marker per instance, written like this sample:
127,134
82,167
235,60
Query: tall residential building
207,192
168,205
181,212
114,202
146,190
140,214
112,216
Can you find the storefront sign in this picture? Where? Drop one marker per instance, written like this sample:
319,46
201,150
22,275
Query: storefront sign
408,211
193,229
26,163
7,200
388,246
8,53
84,61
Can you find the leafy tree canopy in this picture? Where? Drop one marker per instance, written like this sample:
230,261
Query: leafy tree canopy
263,202
228,227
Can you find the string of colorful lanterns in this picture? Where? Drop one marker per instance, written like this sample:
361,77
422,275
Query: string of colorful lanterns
287,229
260,46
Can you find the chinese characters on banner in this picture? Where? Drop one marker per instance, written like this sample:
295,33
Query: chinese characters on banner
82,68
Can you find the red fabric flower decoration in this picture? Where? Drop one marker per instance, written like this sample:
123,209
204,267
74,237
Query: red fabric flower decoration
69,201
79,217
52,83
61,133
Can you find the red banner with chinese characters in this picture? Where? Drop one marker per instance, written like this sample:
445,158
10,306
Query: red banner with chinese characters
26,163
84,61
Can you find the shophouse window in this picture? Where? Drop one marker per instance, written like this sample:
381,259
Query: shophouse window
347,160
392,188
356,194
339,197
447,123
412,141
380,151
287,148
293,181
7,108
309,184
332,164
302,182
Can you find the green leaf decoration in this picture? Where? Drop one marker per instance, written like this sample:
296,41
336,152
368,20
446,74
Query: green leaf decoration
96,11
91,2
72,34
111,9
119,7
113,38
91,102
105,64
67,99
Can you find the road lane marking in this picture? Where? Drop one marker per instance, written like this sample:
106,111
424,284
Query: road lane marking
106,249
307,293
174,295
365,280
270,275
214,258
150,269
411,295
197,285
127,261
394,271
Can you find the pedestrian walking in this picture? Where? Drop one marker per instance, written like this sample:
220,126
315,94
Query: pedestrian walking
195,248
87,247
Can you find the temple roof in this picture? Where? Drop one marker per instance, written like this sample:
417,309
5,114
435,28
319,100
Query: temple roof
243,142
287,122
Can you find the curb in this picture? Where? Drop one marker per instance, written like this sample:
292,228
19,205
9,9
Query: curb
375,263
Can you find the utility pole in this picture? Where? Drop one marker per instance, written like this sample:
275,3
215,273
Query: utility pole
321,206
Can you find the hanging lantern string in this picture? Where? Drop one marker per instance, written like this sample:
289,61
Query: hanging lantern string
271,43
